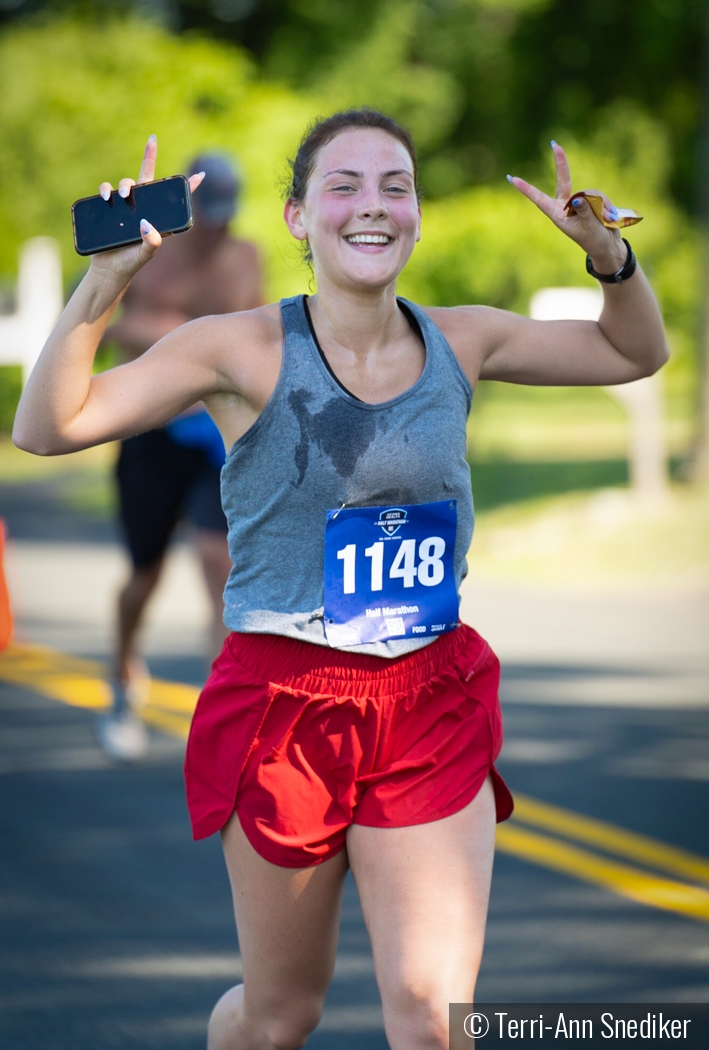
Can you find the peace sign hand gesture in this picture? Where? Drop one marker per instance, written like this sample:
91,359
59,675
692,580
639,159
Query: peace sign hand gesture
604,245
125,262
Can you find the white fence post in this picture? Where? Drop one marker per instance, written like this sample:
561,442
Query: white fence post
642,399
40,300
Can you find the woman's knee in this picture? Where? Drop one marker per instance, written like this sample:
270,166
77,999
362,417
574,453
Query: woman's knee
290,1030
235,1025
416,1018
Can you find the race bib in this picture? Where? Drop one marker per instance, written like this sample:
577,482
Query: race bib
389,573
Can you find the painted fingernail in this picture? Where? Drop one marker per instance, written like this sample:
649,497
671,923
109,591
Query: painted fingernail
554,143
124,191
106,194
509,177
145,227
613,212
152,138
202,174
577,202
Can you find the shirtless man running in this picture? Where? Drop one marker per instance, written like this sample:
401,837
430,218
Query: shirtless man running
173,472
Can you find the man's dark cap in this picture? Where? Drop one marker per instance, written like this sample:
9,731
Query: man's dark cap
215,200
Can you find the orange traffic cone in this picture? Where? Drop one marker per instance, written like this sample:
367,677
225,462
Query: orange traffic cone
5,610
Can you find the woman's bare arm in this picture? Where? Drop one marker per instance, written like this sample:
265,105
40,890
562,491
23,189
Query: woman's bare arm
64,408
626,343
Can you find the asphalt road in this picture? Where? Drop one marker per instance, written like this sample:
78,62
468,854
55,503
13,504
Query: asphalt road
116,929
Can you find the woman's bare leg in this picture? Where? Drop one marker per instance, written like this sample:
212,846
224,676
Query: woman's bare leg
288,921
424,892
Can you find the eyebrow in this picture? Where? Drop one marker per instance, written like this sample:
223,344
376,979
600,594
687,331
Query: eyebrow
360,174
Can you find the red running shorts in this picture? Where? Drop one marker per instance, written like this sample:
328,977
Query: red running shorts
303,741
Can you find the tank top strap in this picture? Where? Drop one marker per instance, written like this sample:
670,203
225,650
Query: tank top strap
294,320
295,329
444,366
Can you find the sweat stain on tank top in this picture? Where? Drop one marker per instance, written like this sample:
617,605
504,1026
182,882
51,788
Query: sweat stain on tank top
338,430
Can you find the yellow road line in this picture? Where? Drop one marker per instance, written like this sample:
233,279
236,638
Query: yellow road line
173,696
612,839
66,678
639,886
175,725
81,683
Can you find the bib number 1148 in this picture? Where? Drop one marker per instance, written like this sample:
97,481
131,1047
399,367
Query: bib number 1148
389,572
430,570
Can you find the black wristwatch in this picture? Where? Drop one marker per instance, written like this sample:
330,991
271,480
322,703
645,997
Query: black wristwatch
626,271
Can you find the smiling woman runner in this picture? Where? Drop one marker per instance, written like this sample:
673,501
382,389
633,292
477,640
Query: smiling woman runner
350,720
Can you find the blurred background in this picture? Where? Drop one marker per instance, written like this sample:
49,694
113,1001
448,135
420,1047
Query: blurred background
590,566
483,84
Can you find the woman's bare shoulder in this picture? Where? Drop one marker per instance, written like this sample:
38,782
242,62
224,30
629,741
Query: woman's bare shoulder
455,319
467,330
249,334
261,327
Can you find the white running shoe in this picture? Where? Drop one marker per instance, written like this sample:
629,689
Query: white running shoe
121,733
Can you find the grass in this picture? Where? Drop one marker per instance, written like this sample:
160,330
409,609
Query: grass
498,482
603,540
10,390
81,480
525,423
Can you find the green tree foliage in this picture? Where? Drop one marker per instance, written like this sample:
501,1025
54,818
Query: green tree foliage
78,99
520,71
77,103
482,81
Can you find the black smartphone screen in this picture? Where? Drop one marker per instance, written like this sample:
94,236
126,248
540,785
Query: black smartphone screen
100,225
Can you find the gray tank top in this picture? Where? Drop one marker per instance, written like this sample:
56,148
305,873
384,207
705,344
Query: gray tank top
315,448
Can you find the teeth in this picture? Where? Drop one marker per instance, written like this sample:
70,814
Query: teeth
368,238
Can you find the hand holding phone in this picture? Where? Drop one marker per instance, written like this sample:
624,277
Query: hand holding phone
101,225
103,239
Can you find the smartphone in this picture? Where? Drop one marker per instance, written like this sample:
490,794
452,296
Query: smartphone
101,225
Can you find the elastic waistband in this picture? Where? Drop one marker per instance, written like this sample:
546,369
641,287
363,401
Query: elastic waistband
280,659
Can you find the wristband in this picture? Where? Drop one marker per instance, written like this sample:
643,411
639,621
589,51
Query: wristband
623,274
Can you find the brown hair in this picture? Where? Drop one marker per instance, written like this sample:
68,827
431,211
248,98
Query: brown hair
324,130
